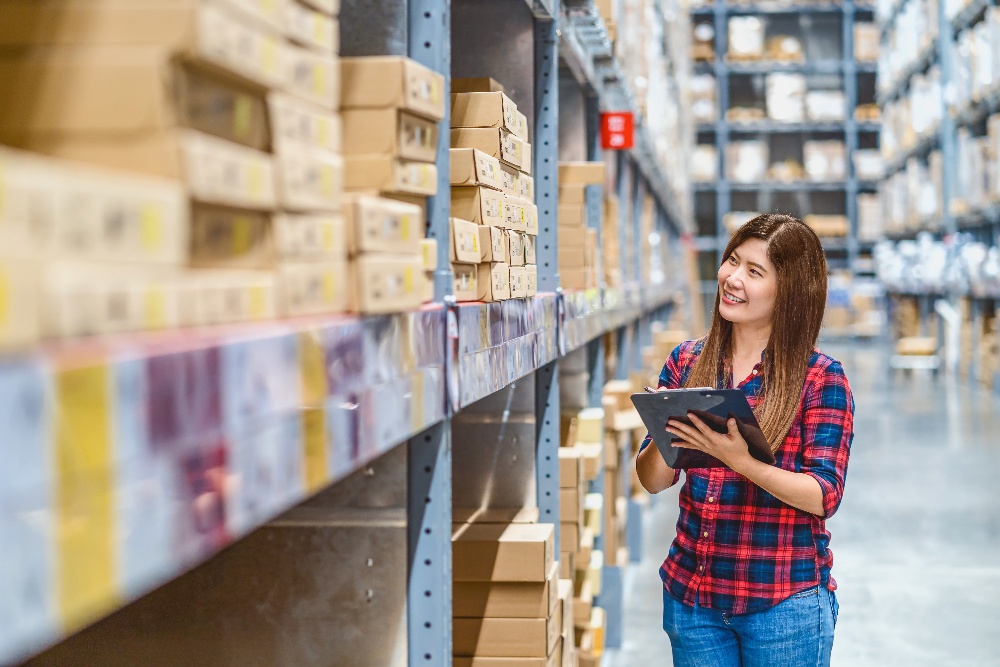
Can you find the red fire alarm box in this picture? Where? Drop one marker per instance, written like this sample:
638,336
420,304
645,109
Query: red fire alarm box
617,130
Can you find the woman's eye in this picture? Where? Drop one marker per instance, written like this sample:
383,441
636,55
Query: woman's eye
732,260
754,272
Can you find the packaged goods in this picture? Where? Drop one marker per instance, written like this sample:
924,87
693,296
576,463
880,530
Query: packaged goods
231,238
465,241
498,143
386,283
868,164
389,132
309,179
465,285
380,225
298,123
585,173
388,175
310,27
494,244
470,167
747,161
516,245
309,288
310,75
482,205
826,105
493,282
785,48
390,81
486,110
518,282
786,97
498,552
746,38
866,42
825,160
314,237
828,225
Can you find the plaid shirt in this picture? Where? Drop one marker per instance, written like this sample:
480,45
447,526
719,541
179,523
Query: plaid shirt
738,548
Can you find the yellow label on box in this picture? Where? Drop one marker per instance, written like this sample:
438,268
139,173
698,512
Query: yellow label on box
319,29
408,280
242,116
319,80
156,308
314,460
255,180
435,92
151,226
269,55
242,234
323,131
326,178
329,287
328,238
404,227
258,302
85,499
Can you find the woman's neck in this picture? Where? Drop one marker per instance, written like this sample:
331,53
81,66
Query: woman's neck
749,341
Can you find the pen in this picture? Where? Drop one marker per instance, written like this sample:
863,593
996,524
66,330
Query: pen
650,390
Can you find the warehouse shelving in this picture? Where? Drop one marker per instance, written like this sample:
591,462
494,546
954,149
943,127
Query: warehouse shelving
374,457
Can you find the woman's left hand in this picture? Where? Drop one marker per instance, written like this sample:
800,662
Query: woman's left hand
730,448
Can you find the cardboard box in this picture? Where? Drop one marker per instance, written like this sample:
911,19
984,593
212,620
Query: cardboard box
413,200
522,215
189,29
554,660
516,245
582,173
518,282
585,550
464,241
572,215
498,143
567,565
475,85
466,281
481,205
496,552
494,282
526,187
312,288
572,238
231,238
583,604
390,81
310,27
527,158
569,536
570,506
389,175
571,258
530,257
503,515
301,123
328,7
316,237
377,224
509,179
470,167
523,132
483,599
484,110
494,244
312,76
387,283
575,279
20,317
309,179
592,455
389,132
429,253
529,218
572,194
531,280
506,637
570,468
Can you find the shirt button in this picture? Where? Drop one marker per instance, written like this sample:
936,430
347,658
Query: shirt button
704,534
701,568
711,499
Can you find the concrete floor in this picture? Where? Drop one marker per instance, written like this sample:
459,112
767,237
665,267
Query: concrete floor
916,540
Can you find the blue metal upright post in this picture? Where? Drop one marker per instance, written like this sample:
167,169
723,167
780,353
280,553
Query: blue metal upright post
723,196
850,132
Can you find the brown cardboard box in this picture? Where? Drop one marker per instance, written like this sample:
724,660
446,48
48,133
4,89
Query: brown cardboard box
572,194
530,256
506,637
308,288
475,85
377,224
494,281
466,281
299,122
572,258
582,173
309,179
583,604
487,110
494,245
573,278
328,7
310,75
531,280
481,205
495,515
572,216
388,175
518,282
567,565
529,217
516,248
566,600
309,27
498,143
412,200
828,225
185,28
389,132
570,505
510,178
485,599
313,237
387,283
569,536
20,318
231,238
470,167
464,238
586,549
570,468
591,453
390,81
572,237
524,132
526,157
554,660
495,552
526,187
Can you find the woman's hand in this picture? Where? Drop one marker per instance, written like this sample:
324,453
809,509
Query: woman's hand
730,448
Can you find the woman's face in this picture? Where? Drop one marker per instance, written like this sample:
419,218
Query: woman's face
748,285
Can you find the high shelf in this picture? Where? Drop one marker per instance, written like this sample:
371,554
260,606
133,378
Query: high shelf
317,527
781,128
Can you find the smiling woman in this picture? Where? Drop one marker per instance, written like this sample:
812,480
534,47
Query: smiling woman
749,572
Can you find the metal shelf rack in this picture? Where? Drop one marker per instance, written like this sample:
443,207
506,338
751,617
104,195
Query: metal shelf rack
723,130
364,414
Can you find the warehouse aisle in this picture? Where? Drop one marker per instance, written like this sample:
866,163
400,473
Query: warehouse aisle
916,539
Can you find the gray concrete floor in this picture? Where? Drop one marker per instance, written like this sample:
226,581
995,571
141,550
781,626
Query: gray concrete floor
916,540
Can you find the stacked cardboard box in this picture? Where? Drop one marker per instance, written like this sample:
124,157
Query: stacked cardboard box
391,109
150,88
492,189
828,225
578,253
611,253
703,41
506,603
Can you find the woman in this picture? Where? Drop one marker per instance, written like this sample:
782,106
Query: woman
747,579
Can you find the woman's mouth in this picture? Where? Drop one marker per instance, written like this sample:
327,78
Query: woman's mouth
730,299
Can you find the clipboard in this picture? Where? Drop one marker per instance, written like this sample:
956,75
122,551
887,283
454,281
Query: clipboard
712,406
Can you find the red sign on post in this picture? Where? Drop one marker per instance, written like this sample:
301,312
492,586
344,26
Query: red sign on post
617,130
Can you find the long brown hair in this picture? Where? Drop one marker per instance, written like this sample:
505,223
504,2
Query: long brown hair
798,258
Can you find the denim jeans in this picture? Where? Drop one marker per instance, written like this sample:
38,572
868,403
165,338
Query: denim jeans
798,632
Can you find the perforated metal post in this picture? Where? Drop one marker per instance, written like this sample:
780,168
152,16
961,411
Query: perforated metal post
851,132
545,151
547,444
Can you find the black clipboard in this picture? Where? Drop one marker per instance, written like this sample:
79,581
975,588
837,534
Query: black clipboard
714,407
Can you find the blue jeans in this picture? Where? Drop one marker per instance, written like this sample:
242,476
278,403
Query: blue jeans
798,632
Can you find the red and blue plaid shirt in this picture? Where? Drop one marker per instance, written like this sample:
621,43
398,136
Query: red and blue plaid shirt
738,548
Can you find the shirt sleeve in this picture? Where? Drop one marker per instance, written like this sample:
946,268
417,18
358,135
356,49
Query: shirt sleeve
828,431
670,378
